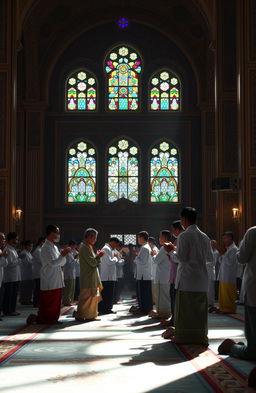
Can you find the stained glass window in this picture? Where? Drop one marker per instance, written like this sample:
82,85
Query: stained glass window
164,92
123,171
81,180
164,173
81,92
123,68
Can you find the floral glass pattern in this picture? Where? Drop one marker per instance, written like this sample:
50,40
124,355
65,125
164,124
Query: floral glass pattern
164,92
164,173
123,171
123,68
81,91
81,181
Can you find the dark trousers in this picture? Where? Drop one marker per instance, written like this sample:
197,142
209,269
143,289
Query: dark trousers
107,294
10,297
77,288
172,297
247,352
36,292
1,297
145,296
118,289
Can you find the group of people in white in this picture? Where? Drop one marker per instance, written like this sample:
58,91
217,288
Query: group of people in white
175,283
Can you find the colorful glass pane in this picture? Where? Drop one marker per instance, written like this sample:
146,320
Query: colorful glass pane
81,92
81,177
123,67
164,92
164,173
123,171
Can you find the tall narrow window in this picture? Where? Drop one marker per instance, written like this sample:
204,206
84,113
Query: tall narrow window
164,92
123,68
123,171
81,179
164,173
81,92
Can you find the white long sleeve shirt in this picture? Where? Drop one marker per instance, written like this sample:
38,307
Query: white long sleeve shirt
3,264
246,255
192,253
51,275
26,266
36,263
12,270
162,265
70,267
108,265
228,265
144,263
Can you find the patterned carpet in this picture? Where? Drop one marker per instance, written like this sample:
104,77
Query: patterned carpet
120,353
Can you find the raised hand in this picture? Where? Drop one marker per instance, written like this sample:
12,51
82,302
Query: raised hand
65,251
100,253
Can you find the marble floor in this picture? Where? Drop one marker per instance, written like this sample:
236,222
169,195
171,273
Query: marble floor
120,353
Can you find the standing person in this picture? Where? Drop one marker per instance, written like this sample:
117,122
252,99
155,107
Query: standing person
3,264
155,251
227,275
36,267
191,308
246,256
26,284
119,271
90,283
77,283
108,276
211,278
143,263
162,278
51,279
12,276
216,258
70,276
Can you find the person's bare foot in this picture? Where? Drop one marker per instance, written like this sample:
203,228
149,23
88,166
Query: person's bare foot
168,333
225,346
152,314
252,378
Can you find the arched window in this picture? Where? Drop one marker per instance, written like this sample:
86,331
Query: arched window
81,179
164,173
123,68
81,92
164,91
123,171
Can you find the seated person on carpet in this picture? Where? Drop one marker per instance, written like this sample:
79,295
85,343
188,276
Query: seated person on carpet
246,256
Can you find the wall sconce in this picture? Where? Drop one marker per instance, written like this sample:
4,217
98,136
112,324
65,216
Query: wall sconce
18,214
235,213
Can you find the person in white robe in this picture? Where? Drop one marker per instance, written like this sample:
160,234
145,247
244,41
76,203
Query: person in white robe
36,267
69,276
108,276
26,284
119,271
3,264
227,275
162,278
155,250
246,256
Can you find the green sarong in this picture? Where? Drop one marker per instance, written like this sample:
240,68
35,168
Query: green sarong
191,318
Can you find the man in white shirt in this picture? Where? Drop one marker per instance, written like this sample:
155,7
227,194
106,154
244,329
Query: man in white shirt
227,275
12,276
119,271
144,274
51,279
216,258
70,275
191,308
36,267
246,256
26,284
3,264
108,276
162,278
155,250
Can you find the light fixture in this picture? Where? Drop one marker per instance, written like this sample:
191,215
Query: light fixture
235,213
18,214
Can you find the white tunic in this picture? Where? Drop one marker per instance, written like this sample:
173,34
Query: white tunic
12,270
3,264
36,263
51,276
228,265
108,265
193,251
247,256
26,266
70,267
120,266
162,264
144,263
154,264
